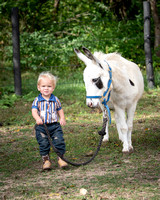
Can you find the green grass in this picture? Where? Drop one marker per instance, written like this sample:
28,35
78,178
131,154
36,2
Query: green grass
112,175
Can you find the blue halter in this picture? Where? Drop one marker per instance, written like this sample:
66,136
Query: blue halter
104,102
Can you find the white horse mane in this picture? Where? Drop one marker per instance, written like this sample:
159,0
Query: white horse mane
100,55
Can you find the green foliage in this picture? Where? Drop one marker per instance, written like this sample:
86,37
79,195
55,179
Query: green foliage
48,37
42,49
8,100
47,40
92,24
7,96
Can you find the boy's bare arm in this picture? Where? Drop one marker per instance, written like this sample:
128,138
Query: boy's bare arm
36,116
62,117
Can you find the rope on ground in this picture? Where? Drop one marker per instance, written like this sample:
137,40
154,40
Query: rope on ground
101,133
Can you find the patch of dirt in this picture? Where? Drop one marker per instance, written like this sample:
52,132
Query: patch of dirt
63,184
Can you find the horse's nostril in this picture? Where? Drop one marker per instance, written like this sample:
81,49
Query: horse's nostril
90,104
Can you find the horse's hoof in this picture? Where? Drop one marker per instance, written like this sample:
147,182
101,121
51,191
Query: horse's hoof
105,140
131,150
125,152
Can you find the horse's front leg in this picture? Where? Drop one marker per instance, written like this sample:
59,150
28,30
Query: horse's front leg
122,128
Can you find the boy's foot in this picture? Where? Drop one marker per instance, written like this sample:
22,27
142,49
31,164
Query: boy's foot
62,163
46,162
47,165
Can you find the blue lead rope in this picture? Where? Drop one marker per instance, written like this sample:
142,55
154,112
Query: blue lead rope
94,97
104,102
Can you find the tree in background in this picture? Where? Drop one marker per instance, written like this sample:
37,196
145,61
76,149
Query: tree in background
125,8
156,18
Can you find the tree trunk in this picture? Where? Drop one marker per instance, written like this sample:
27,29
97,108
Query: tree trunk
16,51
55,11
147,44
120,7
156,19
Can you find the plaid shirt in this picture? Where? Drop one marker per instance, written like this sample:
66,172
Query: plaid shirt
47,109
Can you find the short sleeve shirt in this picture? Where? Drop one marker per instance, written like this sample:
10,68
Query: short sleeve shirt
47,109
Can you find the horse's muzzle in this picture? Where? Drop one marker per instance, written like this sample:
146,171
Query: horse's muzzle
92,104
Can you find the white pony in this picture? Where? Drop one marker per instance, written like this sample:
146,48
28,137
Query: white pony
125,89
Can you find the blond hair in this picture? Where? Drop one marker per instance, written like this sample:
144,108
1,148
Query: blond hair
47,75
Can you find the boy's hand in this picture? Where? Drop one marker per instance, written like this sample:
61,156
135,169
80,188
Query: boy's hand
36,116
62,122
39,121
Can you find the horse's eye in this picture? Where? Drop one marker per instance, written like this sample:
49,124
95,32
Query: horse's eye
95,80
98,82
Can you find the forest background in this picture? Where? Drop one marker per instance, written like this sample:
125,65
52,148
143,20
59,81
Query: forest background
50,30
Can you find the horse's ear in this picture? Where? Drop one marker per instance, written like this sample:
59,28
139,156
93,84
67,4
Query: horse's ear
91,57
88,57
88,53
76,51
81,56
